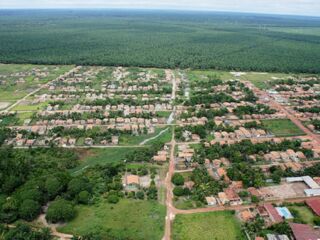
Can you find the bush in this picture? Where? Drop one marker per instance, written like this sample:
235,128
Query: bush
177,179
29,209
140,195
178,191
113,199
84,197
60,211
254,199
316,221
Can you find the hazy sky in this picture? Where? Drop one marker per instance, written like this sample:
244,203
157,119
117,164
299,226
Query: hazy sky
296,7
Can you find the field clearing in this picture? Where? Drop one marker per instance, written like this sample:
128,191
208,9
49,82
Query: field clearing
282,127
136,140
196,75
129,219
207,226
102,156
261,80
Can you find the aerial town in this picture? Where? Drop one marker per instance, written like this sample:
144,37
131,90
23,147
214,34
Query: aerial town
203,142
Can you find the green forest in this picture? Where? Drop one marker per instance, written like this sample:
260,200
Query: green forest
165,39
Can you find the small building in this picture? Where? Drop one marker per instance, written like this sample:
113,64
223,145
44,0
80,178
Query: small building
246,215
232,197
312,192
273,213
314,204
304,232
132,180
211,201
277,237
115,140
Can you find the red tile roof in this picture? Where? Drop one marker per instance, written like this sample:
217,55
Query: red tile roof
304,232
314,204
274,215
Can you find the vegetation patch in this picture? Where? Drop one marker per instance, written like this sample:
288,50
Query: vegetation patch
205,226
282,127
128,219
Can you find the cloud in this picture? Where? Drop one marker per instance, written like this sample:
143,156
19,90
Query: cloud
299,7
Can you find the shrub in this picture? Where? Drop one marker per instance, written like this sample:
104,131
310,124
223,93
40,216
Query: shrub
60,211
178,191
177,179
140,195
84,197
29,209
113,199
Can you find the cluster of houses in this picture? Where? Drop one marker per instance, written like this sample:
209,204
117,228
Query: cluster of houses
241,133
22,141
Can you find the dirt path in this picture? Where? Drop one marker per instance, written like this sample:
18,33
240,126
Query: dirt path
38,89
53,228
155,137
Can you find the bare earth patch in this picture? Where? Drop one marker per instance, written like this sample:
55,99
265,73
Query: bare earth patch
4,105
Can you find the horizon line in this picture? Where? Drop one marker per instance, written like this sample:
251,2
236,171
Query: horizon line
163,9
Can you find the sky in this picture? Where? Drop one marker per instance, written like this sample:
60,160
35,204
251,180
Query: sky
291,7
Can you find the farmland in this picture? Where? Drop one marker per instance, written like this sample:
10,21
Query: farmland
245,42
205,226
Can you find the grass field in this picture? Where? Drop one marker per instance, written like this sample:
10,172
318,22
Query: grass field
128,219
136,140
305,213
101,156
207,226
282,127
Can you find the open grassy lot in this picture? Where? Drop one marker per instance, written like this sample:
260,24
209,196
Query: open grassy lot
205,226
196,75
262,80
282,127
305,213
159,134
128,219
101,156
21,79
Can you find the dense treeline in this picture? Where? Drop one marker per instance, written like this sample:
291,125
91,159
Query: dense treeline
160,39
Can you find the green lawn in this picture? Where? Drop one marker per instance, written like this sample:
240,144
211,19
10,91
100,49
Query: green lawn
128,219
305,213
101,156
207,226
282,127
